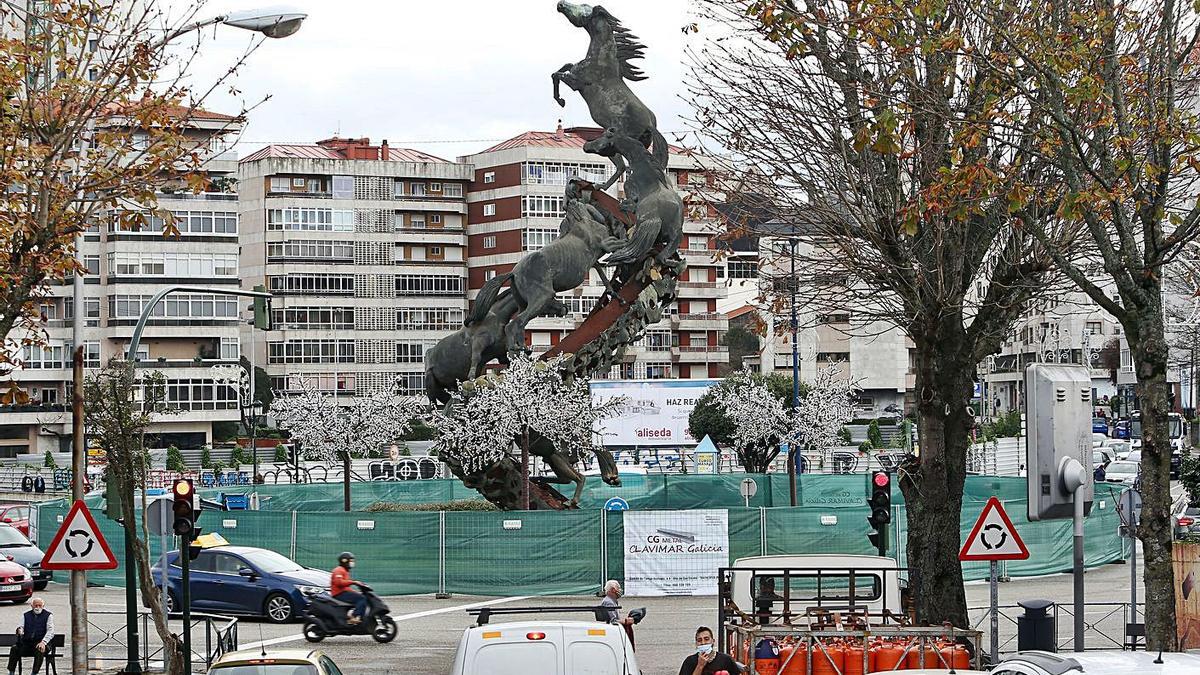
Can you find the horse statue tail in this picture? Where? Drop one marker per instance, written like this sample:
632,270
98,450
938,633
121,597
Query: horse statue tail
486,298
641,240
659,148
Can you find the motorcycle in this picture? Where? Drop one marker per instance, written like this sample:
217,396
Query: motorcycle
326,617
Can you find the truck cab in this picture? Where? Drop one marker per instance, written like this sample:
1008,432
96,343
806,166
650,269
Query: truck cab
771,587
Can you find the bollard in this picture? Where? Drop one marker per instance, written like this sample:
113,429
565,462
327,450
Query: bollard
1035,628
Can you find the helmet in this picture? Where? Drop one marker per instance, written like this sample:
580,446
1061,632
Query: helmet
345,557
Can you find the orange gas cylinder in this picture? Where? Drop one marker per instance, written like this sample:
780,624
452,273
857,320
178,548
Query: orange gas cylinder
766,657
931,658
799,663
956,657
886,657
831,661
854,660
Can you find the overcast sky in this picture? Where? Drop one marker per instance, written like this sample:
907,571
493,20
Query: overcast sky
447,77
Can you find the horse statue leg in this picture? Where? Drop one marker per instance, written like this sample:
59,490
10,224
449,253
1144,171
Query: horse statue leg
558,76
565,473
619,162
608,467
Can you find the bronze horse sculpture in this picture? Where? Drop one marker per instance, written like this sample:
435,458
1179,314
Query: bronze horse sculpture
659,209
561,265
600,80
460,355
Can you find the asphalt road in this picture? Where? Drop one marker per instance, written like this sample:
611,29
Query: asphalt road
430,628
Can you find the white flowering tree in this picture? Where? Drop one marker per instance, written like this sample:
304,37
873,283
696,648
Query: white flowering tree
330,430
529,407
815,422
760,421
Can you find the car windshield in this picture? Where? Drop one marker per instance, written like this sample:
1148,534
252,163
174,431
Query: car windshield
1123,467
1098,458
1175,430
1099,420
267,669
270,562
11,536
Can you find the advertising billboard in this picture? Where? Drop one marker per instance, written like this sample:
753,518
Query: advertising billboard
656,411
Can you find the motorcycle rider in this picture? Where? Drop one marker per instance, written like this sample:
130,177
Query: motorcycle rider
339,587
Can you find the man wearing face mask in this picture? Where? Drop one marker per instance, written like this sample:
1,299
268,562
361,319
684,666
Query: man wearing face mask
33,637
339,587
707,660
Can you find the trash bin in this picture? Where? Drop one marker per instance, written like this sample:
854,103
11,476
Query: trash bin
1035,628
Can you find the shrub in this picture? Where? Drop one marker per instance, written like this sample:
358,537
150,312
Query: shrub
866,446
419,431
874,434
175,460
238,456
49,461
845,437
206,460
281,454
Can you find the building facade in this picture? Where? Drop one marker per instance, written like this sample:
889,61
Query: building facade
364,248
186,334
515,203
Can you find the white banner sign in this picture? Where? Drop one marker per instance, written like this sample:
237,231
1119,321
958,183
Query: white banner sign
675,552
656,411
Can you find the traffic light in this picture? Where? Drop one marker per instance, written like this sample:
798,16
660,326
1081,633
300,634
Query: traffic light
262,310
184,508
880,503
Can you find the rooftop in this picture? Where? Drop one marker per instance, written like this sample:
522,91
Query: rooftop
570,137
342,148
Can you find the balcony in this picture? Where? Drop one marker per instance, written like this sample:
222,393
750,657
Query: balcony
203,196
701,255
301,195
33,413
702,354
701,289
699,321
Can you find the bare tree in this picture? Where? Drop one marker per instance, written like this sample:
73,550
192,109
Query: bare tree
883,148
119,407
1108,95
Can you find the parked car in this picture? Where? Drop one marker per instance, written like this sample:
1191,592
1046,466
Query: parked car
544,648
1118,448
276,662
1101,457
1185,517
1122,471
1098,663
1099,426
1121,429
16,515
23,552
244,580
16,582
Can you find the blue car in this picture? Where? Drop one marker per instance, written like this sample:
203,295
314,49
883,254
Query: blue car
244,580
1099,426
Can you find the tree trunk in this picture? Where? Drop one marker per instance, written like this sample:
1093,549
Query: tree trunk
1149,350
933,482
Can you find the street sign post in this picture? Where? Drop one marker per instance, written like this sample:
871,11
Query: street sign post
1129,509
993,539
78,544
748,488
158,520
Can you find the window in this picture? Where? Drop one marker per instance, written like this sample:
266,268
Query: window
542,206
183,265
417,222
306,218
429,284
176,306
418,189
408,352
1095,328
435,218
436,318
658,371
310,351
343,187
657,341
314,185
301,318
435,187
187,222
533,239
834,318
488,275
489,241
452,190
201,394
436,250
833,357
697,243
92,264
489,209
309,249
398,189
558,173
230,349
308,284
489,176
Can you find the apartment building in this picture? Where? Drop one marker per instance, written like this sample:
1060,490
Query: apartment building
872,354
515,203
364,248
186,334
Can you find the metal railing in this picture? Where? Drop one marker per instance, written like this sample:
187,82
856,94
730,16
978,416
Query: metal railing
1106,625
107,646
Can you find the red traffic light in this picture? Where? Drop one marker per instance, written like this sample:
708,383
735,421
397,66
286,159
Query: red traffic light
882,479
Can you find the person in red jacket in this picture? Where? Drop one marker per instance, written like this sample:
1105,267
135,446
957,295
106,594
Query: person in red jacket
339,587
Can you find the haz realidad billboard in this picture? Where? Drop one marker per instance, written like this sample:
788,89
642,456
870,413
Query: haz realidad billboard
656,411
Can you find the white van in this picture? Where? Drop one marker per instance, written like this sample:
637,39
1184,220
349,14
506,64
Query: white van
824,581
545,648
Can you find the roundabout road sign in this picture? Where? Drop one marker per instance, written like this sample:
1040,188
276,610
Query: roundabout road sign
616,504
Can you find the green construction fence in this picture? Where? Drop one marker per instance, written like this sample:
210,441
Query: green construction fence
573,552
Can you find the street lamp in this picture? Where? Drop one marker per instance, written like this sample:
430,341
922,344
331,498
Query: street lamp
272,22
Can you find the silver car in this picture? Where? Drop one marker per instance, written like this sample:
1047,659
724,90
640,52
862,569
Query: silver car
1185,517
1122,471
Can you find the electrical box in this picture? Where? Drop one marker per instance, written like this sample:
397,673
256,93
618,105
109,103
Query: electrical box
1058,413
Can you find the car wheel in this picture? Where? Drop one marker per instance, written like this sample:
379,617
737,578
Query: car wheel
313,633
278,608
385,630
172,602
41,585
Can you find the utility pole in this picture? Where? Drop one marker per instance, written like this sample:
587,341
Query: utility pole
78,581
794,452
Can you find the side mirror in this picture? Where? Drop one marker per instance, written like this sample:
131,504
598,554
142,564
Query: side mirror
247,572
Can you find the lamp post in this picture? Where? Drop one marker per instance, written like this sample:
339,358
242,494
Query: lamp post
794,452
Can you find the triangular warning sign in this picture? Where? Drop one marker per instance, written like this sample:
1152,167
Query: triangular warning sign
993,537
78,544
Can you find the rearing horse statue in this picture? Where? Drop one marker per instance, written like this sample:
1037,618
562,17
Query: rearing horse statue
600,80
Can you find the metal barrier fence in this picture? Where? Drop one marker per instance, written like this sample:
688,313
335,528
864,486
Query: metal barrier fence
1105,625
107,644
